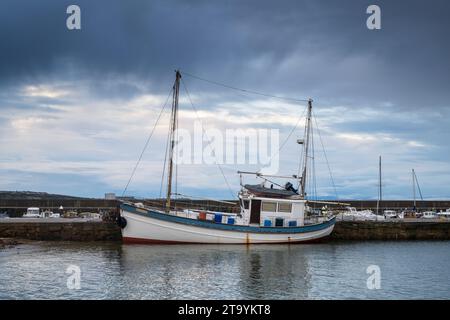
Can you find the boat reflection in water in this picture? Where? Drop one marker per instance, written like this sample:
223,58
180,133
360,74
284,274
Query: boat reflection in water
218,271
312,271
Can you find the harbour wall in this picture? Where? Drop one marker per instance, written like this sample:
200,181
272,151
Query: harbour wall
17,207
391,230
96,230
61,229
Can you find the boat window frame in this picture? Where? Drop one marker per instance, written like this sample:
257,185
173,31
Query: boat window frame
263,203
284,203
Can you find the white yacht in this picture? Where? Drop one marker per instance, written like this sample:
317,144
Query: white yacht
444,214
351,214
392,214
429,215
32,213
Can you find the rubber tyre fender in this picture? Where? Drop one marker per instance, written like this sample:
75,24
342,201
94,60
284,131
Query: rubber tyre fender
122,222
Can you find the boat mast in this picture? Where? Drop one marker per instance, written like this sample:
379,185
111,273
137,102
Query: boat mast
414,188
173,119
380,197
305,162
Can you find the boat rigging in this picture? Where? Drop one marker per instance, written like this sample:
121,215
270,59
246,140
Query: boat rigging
267,215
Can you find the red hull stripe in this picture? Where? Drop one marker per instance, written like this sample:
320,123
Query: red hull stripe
131,240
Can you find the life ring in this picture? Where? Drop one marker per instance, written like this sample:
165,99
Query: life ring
121,222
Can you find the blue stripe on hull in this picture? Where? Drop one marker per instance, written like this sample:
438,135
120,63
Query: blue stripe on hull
212,225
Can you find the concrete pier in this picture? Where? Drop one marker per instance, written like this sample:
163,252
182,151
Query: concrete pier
59,229
414,229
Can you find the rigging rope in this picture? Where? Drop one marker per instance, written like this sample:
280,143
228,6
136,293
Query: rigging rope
325,156
256,93
203,198
146,144
418,186
165,160
243,90
314,176
293,129
287,138
284,142
204,132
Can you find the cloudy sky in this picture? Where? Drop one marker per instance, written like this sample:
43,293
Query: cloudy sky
76,106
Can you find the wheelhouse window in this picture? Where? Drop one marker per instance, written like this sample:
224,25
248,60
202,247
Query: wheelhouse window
269,206
284,207
246,204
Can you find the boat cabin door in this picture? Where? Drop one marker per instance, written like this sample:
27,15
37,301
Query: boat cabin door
255,211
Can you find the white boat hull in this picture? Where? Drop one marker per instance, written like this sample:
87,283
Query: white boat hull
141,228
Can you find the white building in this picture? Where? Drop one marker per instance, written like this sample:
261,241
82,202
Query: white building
110,196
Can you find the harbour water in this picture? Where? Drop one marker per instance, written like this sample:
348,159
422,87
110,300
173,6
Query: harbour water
408,270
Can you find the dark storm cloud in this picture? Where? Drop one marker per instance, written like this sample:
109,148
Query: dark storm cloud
384,92
314,48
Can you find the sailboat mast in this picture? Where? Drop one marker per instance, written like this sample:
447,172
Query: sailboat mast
173,119
305,162
380,195
414,187
381,191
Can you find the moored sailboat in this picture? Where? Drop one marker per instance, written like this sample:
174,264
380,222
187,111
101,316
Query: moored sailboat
267,214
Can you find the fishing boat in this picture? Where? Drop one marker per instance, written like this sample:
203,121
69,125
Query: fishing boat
267,214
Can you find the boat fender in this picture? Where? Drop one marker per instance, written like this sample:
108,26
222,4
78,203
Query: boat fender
121,222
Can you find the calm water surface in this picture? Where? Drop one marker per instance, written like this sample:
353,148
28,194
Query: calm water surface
321,271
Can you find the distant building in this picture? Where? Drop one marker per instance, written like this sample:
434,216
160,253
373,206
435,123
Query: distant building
110,196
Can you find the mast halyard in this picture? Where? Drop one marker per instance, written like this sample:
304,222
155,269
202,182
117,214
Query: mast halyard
173,119
305,161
